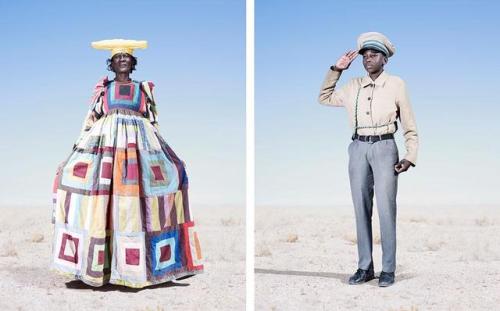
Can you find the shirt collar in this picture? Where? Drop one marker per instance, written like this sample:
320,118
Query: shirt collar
379,81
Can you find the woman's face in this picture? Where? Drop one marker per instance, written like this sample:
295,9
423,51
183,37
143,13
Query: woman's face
121,63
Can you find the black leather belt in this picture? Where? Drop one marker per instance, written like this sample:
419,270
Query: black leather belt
373,138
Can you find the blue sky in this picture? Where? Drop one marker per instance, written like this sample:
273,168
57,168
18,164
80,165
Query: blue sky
196,59
445,51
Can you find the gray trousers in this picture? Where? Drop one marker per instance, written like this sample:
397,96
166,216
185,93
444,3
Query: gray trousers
371,167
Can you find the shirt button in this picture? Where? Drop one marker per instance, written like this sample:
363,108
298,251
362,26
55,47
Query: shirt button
369,98
368,112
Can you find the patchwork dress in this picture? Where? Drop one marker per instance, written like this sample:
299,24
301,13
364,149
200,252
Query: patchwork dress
121,211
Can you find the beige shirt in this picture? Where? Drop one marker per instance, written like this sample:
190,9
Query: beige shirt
380,103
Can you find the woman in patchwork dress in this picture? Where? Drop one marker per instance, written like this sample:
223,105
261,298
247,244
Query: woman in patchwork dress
121,209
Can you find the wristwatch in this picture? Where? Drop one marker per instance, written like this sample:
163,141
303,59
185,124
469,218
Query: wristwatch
333,68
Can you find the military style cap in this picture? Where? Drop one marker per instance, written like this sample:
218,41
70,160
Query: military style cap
375,41
119,45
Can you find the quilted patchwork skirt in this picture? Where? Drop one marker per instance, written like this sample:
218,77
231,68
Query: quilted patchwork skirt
121,211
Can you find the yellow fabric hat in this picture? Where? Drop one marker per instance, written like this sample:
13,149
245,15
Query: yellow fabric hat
119,45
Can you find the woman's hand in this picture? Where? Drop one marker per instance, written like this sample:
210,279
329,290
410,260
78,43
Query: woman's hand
345,60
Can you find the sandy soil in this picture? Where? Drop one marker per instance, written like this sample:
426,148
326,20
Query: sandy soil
27,284
447,259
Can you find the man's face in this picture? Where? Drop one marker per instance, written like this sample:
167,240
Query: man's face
121,63
373,60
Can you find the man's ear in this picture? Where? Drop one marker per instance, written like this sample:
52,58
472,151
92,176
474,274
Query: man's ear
385,60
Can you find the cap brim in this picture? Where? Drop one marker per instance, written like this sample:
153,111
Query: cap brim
361,51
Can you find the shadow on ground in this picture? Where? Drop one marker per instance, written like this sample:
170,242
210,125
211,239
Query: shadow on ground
343,277
76,284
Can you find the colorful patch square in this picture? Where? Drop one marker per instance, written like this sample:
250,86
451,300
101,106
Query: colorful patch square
164,255
106,170
99,257
159,175
126,173
192,246
124,96
124,90
131,256
165,252
130,172
80,169
68,249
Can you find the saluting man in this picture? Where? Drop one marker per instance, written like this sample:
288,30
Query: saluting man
374,103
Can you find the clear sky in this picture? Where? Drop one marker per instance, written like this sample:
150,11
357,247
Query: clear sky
445,51
196,59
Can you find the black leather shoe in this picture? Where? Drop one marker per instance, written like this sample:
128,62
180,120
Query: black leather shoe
386,279
361,276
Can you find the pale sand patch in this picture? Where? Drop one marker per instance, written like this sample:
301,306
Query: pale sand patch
8,249
447,259
37,237
292,238
262,250
27,284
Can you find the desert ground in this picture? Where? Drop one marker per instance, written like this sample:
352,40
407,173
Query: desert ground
448,258
27,284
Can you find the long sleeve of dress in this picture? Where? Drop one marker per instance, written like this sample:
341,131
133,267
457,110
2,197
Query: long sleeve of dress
95,109
151,112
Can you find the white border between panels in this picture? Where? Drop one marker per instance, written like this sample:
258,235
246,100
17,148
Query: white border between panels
250,155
